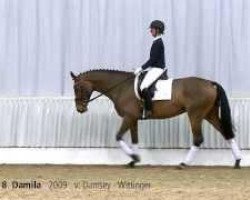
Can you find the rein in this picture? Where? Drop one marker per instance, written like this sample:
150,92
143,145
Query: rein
108,90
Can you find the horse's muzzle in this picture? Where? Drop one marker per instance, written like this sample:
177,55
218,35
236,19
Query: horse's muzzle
81,109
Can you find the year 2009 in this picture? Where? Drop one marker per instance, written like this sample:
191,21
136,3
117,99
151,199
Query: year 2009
58,184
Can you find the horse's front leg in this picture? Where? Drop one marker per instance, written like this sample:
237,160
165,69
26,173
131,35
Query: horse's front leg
129,123
134,137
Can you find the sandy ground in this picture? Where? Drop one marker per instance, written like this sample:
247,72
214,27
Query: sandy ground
117,182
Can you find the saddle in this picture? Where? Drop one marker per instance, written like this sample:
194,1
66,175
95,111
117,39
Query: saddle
152,88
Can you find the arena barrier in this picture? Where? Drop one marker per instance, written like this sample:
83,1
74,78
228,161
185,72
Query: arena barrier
49,130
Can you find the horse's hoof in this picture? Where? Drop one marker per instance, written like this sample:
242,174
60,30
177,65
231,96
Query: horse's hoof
182,166
131,164
237,164
136,158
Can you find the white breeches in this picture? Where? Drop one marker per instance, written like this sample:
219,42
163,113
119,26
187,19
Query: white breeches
151,76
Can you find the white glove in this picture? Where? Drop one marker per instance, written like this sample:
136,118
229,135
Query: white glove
138,70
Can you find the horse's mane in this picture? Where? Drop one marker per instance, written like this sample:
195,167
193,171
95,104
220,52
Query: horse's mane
114,71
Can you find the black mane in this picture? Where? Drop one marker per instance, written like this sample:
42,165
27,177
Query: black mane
115,71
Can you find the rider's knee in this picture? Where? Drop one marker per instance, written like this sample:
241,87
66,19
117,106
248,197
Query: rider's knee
143,91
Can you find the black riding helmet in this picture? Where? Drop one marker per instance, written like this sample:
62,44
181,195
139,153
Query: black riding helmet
157,24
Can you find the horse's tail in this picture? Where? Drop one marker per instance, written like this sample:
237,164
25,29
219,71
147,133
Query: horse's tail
225,114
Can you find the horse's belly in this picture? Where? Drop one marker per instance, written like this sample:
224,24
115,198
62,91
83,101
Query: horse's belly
166,109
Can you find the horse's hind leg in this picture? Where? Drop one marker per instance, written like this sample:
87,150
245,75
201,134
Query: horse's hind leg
196,126
213,118
129,123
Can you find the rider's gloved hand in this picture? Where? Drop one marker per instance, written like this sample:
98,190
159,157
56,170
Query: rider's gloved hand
138,70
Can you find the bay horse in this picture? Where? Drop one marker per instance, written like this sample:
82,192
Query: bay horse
201,99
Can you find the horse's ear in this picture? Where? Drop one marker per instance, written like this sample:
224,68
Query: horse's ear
73,75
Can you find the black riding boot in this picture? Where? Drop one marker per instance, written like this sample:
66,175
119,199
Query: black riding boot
147,104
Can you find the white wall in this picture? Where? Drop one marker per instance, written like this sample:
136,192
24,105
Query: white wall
54,122
115,156
42,40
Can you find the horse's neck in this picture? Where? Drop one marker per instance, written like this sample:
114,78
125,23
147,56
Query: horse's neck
108,84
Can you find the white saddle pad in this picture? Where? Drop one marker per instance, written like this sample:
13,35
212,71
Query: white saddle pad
163,89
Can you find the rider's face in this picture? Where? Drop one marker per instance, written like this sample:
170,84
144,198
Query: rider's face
153,32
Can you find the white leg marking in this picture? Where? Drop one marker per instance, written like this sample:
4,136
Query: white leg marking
126,148
191,154
235,149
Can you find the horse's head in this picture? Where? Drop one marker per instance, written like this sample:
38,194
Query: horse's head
83,90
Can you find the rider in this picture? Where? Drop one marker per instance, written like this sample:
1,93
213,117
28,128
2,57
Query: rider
155,65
